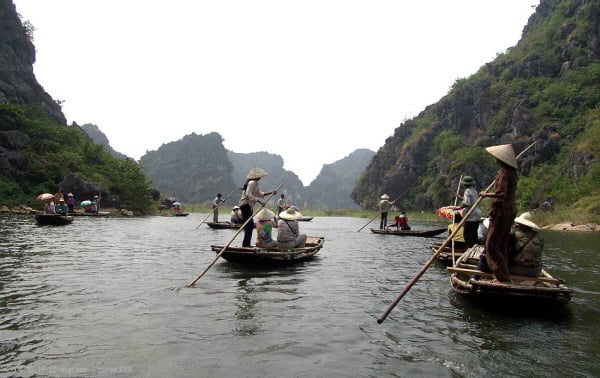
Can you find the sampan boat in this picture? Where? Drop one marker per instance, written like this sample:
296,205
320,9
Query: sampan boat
53,219
424,233
269,256
544,290
223,225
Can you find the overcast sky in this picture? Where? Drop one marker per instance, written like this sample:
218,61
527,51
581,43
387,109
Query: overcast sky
309,80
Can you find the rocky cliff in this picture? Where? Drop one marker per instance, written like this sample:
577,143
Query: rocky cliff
543,90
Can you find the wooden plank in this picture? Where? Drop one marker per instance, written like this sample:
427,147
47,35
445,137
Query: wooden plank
512,277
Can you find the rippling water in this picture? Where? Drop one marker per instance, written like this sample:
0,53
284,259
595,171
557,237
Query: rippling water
108,296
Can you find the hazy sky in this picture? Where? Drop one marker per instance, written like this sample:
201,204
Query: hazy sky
309,80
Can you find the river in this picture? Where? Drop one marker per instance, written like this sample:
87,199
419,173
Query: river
107,296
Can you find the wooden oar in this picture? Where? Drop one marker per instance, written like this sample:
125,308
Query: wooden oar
382,317
209,214
192,282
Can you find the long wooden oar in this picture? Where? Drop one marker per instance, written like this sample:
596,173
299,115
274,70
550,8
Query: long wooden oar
219,205
192,282
382,317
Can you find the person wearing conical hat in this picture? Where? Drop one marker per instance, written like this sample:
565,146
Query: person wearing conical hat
263,221
469,198
502,211
384,207
288,234
250,196
525,253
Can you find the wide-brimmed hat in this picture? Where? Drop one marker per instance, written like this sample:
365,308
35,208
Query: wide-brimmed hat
265,214
525,220
290,214
468,180
504,153
256,173
384,197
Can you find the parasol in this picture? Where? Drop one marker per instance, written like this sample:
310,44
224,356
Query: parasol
44,197
86,202
446,212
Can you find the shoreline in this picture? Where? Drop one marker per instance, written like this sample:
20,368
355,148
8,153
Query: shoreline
572,227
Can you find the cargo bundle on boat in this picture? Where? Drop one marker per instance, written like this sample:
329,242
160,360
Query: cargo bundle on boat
542,290
256,255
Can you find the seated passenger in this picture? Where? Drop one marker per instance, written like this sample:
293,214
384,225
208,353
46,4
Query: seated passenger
458,238
288,235
236,215
525,247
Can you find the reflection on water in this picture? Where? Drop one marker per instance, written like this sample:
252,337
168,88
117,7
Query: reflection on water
105,296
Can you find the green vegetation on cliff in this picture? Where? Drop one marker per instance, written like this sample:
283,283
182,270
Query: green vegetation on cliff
546,90
42,153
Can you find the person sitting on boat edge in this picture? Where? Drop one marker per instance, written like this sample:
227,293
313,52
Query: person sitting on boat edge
236,215
288,234
384,208
403,221
61,208
525,248
263,221
458,238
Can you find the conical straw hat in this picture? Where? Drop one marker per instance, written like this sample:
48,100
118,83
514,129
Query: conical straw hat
525,219
504,153
265,214
385,197
256,173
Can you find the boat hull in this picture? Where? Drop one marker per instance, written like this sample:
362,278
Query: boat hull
223,225
271,256
423,233
53,219
544,290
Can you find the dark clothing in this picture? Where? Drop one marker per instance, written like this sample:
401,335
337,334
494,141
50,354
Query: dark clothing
502,214
247,214
470,233
383,222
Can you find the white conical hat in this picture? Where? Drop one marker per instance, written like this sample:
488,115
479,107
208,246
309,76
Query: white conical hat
525,220
505,153
265,214
256,173
385,197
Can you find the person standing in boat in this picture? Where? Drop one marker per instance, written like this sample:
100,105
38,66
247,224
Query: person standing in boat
71,202
459,238
288,233
526,247
502,212
250,196
281,204
469,198
215,207
384,207
263,221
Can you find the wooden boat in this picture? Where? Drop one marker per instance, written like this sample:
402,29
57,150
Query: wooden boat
445,255
270,256
83,214
182,214
53,219
223,225
305,219
424,233
525,291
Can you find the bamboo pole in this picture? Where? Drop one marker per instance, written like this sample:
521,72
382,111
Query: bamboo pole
382,317
209,214
193,282
454,215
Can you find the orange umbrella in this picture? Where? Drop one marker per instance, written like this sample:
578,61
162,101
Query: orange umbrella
44,197
446,212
